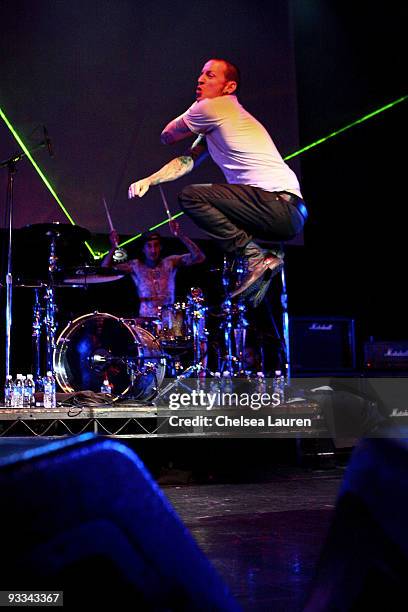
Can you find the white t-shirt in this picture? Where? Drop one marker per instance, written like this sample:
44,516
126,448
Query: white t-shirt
240,145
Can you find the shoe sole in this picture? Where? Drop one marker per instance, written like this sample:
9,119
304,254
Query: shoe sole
257,297
271,270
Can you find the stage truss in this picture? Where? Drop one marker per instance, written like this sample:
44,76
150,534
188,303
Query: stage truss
132,421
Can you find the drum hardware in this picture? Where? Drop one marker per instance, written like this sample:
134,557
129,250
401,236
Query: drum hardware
196,318
181,329
49,309
36,341
284,353
234,323
89,275
45,308
98,360
193,369
50,305
240,335
11,165
283,338
285,325
99,346
196,321
65,232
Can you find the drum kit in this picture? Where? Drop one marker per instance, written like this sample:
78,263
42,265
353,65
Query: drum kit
134,355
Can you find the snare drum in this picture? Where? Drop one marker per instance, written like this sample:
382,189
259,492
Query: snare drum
100,346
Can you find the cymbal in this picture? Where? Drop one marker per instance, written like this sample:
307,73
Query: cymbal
39,284
89,275
68,232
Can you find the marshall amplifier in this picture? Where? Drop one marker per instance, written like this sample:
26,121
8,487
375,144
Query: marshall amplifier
322,344
386,355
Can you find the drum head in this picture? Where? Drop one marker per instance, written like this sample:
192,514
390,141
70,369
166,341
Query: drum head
99,346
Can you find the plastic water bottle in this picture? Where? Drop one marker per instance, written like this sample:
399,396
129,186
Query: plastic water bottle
106,388
8,391
29,392
39,383
18,392
227,381
260,382
279,386
23,380
50,398
215,385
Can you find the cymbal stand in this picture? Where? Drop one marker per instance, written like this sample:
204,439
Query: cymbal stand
11,165
283,338
226,365
36,339
233,363
285,325
197,314
240,335
50,305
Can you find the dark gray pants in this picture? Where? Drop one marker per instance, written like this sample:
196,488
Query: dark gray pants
233,215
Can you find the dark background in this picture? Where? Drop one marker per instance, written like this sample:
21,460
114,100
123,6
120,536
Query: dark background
349,60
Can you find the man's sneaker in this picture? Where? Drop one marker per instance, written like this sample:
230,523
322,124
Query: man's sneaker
261,288
256,297
258,264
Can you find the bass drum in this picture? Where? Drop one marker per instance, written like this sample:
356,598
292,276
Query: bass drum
100,346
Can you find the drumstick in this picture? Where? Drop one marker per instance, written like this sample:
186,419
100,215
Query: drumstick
119,254
108,215
166,206
112,229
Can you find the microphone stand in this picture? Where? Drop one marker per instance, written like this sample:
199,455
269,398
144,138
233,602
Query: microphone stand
11,165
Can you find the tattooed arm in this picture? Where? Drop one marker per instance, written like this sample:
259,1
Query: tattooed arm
174,131
176,168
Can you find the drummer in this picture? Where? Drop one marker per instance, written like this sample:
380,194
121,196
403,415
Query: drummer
154,277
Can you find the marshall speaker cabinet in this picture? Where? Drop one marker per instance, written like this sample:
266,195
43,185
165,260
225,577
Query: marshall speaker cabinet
386,355
322,344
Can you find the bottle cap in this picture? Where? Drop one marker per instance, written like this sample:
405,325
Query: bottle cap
49,373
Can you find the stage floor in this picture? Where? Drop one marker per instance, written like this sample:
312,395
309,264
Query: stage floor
264,538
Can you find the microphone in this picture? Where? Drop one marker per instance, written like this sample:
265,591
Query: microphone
48,142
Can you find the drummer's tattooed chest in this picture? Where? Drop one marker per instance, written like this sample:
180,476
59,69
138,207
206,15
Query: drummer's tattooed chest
155,285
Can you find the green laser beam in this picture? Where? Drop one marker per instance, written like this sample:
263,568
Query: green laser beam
346,127
40,172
